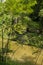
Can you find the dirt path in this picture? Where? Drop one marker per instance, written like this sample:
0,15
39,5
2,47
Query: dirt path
25,52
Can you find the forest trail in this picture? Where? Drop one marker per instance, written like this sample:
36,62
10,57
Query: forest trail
25,53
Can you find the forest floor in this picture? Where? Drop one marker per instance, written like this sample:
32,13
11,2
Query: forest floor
25,53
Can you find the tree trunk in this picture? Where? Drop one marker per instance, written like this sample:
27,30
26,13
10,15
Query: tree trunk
2,45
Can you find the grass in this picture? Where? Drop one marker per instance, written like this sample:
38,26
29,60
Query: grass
10,62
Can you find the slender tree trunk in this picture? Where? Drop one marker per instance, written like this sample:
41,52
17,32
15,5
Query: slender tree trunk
7,47
2,45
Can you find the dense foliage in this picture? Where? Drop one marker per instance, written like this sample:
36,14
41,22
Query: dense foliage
22,21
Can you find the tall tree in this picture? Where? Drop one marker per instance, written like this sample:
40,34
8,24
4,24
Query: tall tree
36,15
